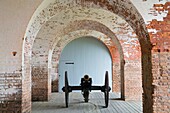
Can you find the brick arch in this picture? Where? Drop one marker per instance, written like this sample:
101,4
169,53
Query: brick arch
71,26
124,10
119,7
86,24
78,25
60,44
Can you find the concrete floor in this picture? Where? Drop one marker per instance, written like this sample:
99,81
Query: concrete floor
77,104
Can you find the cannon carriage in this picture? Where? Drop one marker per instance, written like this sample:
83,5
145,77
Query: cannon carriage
86,87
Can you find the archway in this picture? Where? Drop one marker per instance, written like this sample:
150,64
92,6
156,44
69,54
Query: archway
113,48
85,55
132,20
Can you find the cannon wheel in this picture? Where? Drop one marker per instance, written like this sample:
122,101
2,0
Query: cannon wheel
66,89
106,93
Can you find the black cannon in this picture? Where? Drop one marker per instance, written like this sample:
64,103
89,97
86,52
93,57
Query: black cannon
86,87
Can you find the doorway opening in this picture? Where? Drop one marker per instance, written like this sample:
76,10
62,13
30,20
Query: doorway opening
85,55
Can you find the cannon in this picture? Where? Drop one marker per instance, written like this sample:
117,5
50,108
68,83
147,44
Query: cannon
86,87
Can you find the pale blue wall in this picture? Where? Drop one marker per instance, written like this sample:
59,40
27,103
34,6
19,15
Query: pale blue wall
90,56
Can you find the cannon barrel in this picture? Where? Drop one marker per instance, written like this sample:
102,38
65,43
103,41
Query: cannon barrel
86,77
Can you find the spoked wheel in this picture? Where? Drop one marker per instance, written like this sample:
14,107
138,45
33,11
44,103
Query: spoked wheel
66,89
106,92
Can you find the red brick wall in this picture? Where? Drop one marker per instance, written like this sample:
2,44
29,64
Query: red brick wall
116,78
116,73
161,59
161,76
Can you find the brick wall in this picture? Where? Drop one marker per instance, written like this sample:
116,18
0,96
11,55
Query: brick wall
161,81
133,80
39,83
10,81
54,71
160,37
116,84
41,86
10,92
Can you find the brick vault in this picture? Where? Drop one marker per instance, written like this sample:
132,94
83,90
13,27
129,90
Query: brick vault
135,32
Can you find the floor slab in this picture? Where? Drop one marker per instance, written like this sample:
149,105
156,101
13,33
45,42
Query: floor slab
95,105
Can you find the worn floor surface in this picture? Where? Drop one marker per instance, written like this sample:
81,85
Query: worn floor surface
95,104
